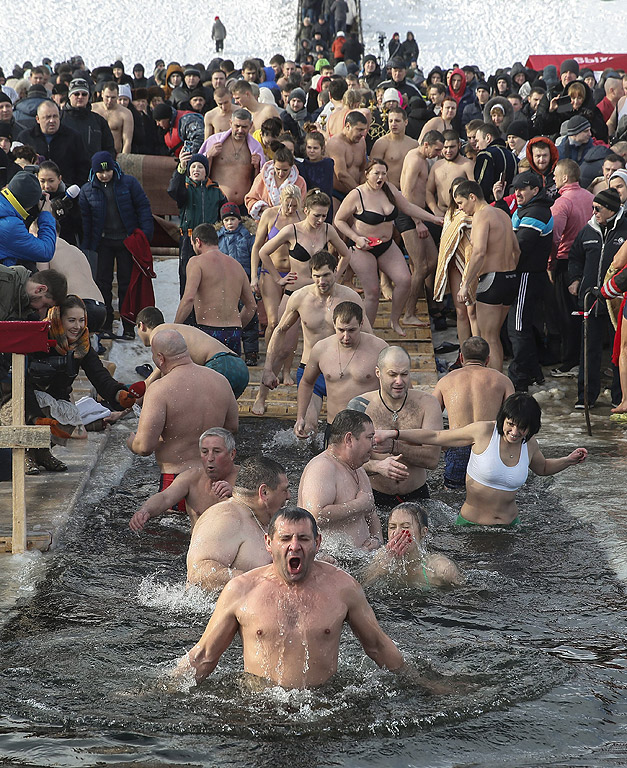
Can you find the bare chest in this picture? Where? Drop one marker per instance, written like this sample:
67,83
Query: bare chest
234,154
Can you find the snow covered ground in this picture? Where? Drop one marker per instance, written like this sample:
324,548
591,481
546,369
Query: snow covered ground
489,34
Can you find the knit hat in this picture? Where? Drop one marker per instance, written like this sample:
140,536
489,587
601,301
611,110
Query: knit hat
340,69
162,112
198,158
216,18
576,124
527,179
191,71
125,90
102,161
341,34
608,198
6,132
197,91
391,94
298,93
396,63
4,97
549,75
569,65
519,128
26,189
37,90
78,85
230,209
483,85
370,57
621,173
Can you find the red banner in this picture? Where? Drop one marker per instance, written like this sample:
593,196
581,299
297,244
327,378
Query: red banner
595,61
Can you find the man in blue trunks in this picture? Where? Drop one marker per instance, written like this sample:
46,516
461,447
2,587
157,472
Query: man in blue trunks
216,284
313,305
203,349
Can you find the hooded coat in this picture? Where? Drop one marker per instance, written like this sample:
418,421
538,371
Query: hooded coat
547,177
464,96
509,112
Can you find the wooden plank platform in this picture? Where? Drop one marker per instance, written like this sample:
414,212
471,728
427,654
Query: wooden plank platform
281,402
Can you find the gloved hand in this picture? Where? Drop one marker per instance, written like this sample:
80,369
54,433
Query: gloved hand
135,392
54,425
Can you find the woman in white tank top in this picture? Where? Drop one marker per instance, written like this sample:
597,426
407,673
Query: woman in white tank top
502,453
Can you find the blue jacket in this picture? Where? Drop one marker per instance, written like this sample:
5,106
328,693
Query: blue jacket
533,225
238,244
17,245
133,205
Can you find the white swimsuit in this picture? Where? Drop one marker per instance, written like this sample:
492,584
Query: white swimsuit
488,469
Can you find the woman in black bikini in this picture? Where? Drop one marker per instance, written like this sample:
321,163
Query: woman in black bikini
371,209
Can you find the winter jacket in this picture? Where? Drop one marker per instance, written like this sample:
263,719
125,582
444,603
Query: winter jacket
533,225
92,127
491,164
409,51
508,109
132,202
14,301
571,212
218,30
547,177
463,96
175,135
238,245
198,202
576,152
592,164
17,245
592,253
409,90
552,121
66,149
25,110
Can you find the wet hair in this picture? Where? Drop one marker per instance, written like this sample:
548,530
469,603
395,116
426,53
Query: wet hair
323,259
256,471
347,421
284,155
49,165
273,126
151,317
316,196
290,192
54,281
385,187
569,167
345,311
206,233
293,515
468,188
391,351
415,510
224,434
355,118
475,348
450,135
523,411
432,137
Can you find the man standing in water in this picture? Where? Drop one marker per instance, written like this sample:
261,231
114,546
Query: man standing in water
290,614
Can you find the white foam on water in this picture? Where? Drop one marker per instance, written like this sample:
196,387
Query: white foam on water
174,598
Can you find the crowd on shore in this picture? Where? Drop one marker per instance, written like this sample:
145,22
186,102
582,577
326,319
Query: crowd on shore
499,197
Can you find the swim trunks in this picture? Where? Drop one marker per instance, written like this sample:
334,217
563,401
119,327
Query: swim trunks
339,195
320,385
165,481
233,368
230,336
456,461
264,271
498,288
463,522
404,223
388,501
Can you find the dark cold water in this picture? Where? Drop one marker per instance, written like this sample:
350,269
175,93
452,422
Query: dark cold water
534,649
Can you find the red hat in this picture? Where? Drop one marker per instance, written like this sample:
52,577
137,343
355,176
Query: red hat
216,18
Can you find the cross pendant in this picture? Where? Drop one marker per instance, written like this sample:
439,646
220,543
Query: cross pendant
395,417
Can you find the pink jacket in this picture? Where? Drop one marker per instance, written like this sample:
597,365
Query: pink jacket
571,212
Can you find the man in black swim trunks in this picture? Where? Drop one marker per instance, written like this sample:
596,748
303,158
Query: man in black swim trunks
401,476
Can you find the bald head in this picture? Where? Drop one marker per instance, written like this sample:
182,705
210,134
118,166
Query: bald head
388,355
169,344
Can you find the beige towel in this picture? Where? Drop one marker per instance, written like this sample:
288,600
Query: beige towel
455,243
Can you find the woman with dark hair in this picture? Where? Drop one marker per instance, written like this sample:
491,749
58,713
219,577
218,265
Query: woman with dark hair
501,454
367,216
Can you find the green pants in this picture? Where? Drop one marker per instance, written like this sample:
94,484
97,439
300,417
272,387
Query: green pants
462,521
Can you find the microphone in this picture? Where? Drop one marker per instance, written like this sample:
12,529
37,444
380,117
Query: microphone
61,206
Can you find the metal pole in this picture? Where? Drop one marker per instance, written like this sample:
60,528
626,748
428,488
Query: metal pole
586,405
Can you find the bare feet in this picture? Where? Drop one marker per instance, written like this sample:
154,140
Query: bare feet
622,408
396,327
413,320
259,406
286,378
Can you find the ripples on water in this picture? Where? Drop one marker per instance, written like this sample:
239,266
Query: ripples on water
532,648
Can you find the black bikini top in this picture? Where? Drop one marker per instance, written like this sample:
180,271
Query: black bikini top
299,253
370,217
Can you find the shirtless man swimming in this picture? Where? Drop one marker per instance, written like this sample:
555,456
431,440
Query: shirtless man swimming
290,614
243,95
313,305
196,489
215,284
471,393
494,257
348,152
400,476
234,157
218,119
423,254
230,539
347,361
394,146
203,349
119,118
168,426
449,167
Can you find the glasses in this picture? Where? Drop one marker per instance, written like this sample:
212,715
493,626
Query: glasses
597,208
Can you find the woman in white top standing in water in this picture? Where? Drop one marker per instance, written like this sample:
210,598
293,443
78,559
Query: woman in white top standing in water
502,453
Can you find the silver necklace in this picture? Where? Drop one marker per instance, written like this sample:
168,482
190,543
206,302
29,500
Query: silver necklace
252,512
339,361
